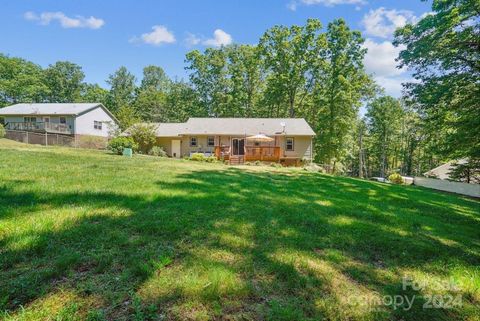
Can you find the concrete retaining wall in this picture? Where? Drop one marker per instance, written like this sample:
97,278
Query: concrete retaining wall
454,187
82,141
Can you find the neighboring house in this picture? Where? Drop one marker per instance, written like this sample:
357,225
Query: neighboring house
443,171
238,140
92,119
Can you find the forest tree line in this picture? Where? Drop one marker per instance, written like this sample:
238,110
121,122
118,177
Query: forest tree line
310,71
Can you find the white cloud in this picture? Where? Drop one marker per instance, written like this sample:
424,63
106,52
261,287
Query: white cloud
220,38
380,61
45,18
393,85
380,58
158,36
192,40
327,3
382,22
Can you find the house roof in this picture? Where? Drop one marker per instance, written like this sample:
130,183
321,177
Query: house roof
169,129
234,126
48,109
248,126
443,171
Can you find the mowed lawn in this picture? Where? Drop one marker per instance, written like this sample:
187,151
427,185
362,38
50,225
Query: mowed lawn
90,235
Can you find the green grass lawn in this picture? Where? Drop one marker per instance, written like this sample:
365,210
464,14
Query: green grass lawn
89,235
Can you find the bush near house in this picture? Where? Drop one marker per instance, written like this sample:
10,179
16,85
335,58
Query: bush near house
396,178
2,131
117,144
144,136
200,157
157,151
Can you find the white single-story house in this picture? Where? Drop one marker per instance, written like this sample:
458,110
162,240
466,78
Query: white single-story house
75,119
238,140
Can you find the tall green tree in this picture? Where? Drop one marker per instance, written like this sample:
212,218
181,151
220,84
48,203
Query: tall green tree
64,80
289,54
93,93
384,116
246,78
182,102
150,105
155,78
443,50
209,76
21,81
150,97
122,89
340,87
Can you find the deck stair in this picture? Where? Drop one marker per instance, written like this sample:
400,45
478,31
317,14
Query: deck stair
237,159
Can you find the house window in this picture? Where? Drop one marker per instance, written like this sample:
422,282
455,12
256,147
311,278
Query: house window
46,119
63,120
210,141
97,125
30,119
289,146
193,141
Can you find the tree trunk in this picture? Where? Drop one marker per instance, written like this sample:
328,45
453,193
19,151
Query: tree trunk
360,154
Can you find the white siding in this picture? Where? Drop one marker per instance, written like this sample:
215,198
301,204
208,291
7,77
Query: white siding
84,123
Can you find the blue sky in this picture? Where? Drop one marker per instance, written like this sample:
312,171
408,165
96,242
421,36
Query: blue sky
104,35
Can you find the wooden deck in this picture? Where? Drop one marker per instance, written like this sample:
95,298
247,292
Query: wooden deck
250,154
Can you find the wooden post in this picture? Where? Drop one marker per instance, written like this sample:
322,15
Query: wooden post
46,139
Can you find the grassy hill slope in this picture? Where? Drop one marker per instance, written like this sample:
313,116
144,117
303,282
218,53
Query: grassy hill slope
89,235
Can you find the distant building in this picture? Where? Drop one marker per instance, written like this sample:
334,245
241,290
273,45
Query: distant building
443,171
70,119
284,140
64,124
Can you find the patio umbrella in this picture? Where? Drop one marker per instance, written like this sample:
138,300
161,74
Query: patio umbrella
260,138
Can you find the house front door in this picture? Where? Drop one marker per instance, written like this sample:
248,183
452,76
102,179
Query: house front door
238,146
176,148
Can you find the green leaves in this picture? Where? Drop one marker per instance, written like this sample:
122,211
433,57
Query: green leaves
443,50
64,81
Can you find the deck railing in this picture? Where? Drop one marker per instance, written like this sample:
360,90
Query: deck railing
222,151
252,153
262,153
39,127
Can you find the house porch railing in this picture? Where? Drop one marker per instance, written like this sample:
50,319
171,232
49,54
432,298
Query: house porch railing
251,153
39,127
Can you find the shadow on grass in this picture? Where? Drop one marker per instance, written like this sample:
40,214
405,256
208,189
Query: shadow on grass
233,242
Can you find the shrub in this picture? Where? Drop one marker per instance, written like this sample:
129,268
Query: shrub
395,178
117,144
257,163
2,131
198,157
144,136
211,159
158,151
